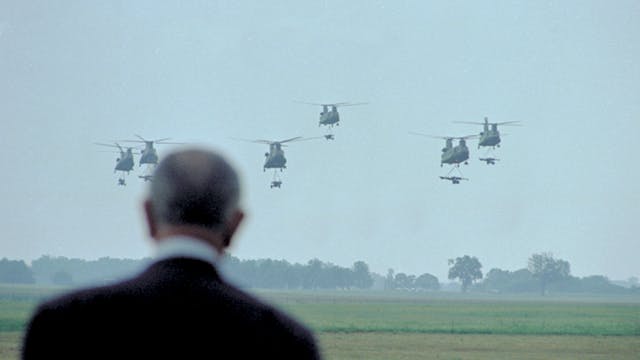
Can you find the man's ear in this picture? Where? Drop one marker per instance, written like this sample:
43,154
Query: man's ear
151,222
231,227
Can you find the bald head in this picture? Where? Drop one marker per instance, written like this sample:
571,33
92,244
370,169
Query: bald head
194,188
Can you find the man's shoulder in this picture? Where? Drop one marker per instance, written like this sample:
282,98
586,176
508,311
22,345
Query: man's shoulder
85,296
276,327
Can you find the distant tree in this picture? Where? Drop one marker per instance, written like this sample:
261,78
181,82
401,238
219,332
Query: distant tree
389,281
465,268
497,280
404,281
547,269
361,276
633,282
15,272
427,282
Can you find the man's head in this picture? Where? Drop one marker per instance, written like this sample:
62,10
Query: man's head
194,192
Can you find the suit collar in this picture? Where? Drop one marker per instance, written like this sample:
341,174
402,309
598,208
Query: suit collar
184,266
185,247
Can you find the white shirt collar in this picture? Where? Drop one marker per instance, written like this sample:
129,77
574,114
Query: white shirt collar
185,246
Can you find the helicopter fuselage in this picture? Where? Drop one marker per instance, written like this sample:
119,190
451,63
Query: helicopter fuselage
455,154
329,117
275,158
489,138
124,162
149,155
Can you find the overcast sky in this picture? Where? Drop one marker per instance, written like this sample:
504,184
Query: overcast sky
568,182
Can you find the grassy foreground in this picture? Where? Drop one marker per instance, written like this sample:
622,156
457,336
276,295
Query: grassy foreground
381,346
369,325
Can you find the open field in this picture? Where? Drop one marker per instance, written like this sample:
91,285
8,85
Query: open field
379,325
458,315
401,346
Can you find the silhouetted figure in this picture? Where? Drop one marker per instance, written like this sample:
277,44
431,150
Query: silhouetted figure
179,307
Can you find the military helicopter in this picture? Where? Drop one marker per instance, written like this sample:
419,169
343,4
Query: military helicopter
489,136
275,159
453,179
124,163
489,160
453,155
149,155
330,117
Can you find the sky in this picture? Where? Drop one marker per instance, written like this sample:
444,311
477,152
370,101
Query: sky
205,72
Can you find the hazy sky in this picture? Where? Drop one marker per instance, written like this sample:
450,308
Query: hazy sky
77,72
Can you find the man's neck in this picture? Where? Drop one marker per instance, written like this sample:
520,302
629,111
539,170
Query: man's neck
181,246
206,236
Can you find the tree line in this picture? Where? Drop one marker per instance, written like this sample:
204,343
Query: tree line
543,274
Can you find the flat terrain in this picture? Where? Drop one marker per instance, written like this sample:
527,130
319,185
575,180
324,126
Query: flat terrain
446,346
385,325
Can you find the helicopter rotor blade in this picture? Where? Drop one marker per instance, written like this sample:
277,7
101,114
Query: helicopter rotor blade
469,122
259,141
467,137
510,123
140,137
109,145
350,104
297,138
309,103
157,141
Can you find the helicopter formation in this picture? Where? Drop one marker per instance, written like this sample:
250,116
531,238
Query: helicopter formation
455,155
148,156
275,158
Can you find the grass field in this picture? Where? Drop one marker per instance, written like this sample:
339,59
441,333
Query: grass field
370,325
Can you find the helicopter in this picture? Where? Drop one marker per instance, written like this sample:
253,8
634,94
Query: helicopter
149,155
453,155
453,179
331,117
489,160
275,159
124,163
489,136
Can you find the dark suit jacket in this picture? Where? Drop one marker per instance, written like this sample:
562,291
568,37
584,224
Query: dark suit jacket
178,308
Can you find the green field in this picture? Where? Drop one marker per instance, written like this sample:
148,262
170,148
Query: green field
377,325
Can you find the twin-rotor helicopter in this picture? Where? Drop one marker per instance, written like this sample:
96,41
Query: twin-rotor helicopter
455,155
329,116
275,158
148,156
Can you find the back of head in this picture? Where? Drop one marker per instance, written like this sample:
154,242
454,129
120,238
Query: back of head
194,187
